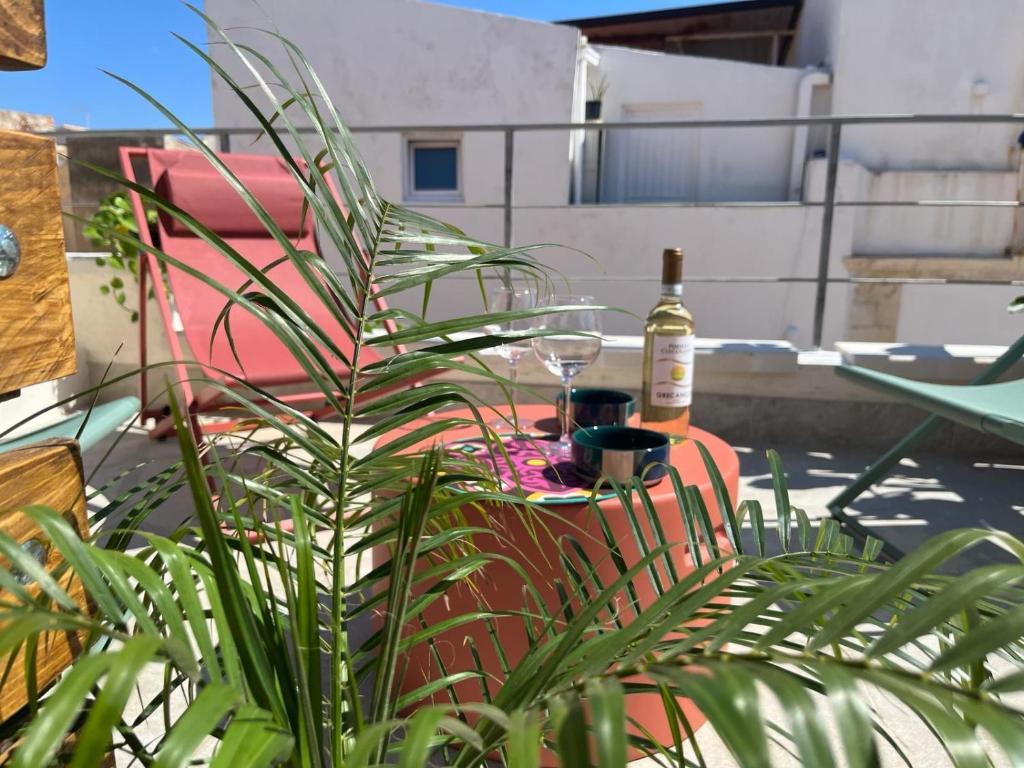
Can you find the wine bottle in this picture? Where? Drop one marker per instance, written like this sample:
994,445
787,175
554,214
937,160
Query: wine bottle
668,355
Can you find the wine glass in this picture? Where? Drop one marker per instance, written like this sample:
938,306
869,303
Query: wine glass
575,344
509,298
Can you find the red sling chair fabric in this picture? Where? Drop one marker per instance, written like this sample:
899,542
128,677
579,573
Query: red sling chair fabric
186,179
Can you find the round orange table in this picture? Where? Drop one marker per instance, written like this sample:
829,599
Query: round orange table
536,543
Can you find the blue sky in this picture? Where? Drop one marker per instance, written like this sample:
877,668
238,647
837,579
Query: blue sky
133,38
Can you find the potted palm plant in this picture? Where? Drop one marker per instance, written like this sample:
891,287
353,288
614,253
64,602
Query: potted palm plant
596,89
256,641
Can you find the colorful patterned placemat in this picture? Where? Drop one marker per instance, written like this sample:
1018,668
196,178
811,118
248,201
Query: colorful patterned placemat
544,480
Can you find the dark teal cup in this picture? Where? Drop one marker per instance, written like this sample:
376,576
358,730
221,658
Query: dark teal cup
620,453
593,407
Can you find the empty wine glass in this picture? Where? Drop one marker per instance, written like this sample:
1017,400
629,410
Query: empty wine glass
509,298
575,344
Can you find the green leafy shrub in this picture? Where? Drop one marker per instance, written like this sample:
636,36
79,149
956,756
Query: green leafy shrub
113,228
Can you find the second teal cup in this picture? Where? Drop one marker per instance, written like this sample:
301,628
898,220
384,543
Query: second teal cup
620,453
592,407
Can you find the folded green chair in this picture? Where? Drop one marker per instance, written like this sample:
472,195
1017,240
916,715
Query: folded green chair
995,408
89,426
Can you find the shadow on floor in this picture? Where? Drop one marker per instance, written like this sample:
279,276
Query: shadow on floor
923,496
123,468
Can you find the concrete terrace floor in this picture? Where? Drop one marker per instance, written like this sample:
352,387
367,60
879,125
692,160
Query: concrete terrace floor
927,494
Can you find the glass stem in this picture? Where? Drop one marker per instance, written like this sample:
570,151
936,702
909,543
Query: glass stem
566,412
513,376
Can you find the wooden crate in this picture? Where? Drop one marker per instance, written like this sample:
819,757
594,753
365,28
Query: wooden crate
49,474
22,34
37,340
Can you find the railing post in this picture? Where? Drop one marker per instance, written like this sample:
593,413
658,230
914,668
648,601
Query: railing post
224,141
825,249
509,150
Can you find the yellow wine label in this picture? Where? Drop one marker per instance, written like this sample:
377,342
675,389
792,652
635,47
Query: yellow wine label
672,371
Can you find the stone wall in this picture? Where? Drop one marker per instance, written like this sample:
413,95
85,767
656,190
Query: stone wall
930,313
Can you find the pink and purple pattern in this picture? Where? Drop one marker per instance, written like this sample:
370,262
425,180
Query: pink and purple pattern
541,480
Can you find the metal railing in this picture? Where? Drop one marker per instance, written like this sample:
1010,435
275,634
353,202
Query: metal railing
833,123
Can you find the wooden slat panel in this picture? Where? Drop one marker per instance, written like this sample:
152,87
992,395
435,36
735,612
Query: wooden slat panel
37,340
49,474
8,750
22,34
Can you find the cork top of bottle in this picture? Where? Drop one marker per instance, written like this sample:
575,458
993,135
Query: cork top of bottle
672,266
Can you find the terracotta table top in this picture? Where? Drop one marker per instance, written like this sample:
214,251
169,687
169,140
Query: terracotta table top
558,484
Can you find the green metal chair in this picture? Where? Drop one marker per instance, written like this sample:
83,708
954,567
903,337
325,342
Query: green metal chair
997,409
89,427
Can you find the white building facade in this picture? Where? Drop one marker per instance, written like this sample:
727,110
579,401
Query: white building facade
736,199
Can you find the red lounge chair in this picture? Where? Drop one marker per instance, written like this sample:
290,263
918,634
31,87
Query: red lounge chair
186,179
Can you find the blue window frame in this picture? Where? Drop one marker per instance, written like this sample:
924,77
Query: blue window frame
433,170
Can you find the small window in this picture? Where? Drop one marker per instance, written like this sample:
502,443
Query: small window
433,171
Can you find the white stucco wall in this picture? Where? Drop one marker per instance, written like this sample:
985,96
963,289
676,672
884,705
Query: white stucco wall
401,62
480,68
627,242
622,264
933,230
958,314
921,56
924,56
406,63
734,164
816,32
